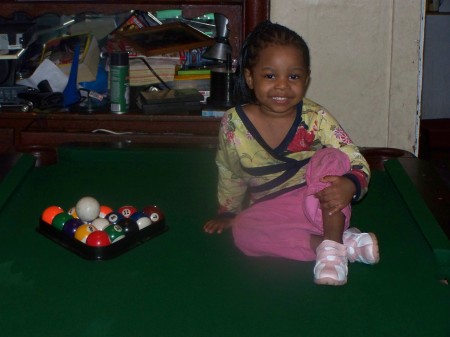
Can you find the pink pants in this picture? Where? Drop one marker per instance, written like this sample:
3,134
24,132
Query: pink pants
282,226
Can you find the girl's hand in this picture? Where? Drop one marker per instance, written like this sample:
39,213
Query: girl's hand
337,196
217,225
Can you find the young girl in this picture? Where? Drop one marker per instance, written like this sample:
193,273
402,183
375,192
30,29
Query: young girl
287,171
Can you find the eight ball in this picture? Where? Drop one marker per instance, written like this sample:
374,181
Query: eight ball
128,225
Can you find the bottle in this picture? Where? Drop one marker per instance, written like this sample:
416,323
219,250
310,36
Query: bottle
119,82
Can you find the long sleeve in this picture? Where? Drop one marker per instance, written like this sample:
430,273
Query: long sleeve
331,134
247,166
231,186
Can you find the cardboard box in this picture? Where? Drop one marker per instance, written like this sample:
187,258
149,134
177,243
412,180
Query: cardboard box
60,51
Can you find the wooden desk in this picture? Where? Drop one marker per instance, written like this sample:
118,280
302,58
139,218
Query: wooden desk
53,129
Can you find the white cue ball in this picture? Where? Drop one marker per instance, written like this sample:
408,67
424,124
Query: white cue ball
87,209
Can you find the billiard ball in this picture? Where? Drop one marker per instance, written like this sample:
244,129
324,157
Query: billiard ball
49,213
87,209
129,226
71,225
60,219
83,232
141,219
115,232
114,217
154,213
104,211
98,239
73,212
100,223
127,211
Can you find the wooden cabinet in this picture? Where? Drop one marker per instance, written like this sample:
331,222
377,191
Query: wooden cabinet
18,129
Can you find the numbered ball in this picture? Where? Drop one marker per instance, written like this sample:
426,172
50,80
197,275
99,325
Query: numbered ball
129,226
87,209
154,213
50,212
104,211
98,239
71,226
114,217
141,219
100,223
127,211
60,219
115,233
83,232
73,212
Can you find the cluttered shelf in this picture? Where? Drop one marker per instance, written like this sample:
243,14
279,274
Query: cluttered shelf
57,68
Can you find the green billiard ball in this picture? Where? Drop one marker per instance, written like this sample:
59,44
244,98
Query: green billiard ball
115,232
60,219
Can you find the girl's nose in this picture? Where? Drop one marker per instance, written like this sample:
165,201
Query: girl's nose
281,83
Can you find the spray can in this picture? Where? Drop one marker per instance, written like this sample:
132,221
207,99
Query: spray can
119,82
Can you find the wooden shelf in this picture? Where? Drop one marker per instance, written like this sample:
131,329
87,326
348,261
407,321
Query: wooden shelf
18,129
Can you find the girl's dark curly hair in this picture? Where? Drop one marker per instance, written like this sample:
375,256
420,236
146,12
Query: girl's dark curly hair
266,33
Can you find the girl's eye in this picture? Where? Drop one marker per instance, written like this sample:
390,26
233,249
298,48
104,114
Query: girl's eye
294,77
269,76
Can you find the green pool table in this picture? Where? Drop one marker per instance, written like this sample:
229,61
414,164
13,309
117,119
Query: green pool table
187,283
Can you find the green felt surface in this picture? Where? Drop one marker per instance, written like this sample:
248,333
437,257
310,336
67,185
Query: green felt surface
423,216
187,283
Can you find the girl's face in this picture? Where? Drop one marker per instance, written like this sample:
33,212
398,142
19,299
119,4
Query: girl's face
279,79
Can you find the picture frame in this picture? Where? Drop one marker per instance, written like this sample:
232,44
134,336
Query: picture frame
166,38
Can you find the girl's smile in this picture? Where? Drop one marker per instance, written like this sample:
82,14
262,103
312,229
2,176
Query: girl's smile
279,79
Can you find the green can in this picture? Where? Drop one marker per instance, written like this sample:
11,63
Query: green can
119,82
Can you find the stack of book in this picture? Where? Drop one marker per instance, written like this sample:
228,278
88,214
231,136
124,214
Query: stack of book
199,79
163,66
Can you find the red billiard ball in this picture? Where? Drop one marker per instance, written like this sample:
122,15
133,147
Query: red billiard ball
87,209
98,239
49,213
127,211
154,213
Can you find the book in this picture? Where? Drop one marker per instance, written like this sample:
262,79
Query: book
164,66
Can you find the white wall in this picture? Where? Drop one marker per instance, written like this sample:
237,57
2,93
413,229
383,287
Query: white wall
365,63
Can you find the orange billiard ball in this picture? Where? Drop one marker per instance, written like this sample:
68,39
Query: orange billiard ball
49,214
104,211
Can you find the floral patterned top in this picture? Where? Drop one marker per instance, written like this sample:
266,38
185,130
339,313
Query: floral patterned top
247,164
